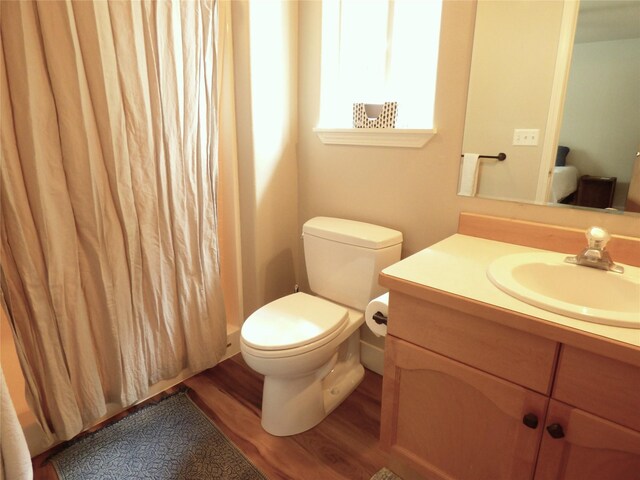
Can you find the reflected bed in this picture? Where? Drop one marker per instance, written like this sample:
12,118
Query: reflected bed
564,183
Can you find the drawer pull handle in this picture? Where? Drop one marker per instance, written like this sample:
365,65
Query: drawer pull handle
530,420
555,430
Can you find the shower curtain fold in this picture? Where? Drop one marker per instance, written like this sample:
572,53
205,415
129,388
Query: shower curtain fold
110,262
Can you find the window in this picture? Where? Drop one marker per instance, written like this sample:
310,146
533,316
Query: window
379,50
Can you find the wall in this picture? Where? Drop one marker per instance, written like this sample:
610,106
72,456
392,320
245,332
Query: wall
412,190
512,73
601,121
265,47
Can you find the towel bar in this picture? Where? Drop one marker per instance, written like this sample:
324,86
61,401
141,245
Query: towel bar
500,157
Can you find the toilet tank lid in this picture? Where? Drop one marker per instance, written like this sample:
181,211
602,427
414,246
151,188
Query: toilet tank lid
351,232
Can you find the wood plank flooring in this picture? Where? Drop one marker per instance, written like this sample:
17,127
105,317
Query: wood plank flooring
343,447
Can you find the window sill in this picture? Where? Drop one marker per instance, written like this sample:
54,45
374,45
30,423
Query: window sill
376,137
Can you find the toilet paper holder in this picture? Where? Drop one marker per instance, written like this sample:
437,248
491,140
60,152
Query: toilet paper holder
380,318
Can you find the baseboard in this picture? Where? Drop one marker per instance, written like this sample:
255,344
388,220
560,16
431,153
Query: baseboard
233,341
372,357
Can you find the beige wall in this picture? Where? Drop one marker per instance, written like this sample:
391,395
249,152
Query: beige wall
402,188
266,81
512,74
412,190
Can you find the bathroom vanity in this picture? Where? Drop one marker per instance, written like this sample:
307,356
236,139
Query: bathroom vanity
480,385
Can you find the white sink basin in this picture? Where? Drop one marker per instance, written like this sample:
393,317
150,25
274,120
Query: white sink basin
544,280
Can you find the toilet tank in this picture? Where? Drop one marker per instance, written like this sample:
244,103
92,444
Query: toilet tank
344,257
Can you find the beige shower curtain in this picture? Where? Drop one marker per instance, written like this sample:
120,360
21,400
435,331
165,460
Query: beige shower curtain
110,268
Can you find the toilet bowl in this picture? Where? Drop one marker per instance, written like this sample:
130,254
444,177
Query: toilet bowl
308,346
304,379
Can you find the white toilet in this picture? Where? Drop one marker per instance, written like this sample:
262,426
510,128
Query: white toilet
308,347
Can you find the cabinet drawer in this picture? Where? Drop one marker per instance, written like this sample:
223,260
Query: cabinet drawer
599,385
516,356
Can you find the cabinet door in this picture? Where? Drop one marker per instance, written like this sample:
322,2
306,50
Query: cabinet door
446,420
587,448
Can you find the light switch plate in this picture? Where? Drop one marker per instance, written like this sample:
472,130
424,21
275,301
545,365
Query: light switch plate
526,136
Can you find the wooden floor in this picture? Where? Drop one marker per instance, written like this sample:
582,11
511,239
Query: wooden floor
343,447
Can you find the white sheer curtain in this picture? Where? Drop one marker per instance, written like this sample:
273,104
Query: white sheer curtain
110,265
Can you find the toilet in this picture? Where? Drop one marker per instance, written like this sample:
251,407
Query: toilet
308,346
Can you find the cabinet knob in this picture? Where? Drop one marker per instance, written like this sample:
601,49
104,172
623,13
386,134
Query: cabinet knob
530,420
555,430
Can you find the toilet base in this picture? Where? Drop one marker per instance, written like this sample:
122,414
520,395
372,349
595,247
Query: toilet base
292,405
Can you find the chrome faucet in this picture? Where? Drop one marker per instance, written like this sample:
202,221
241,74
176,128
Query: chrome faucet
596,255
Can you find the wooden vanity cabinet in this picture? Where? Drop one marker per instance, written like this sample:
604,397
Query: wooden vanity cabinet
596,403
591,448
466,398
450,420
462,398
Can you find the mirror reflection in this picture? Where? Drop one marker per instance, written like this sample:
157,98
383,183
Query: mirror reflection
565,109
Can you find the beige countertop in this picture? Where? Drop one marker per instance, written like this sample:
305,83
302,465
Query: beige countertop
458,266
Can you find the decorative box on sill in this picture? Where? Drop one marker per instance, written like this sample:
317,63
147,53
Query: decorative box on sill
369,115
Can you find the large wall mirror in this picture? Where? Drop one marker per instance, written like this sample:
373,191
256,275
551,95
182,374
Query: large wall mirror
554,85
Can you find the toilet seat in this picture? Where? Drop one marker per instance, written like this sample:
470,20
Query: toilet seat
293,325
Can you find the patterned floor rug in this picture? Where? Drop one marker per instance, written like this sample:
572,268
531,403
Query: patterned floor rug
170,440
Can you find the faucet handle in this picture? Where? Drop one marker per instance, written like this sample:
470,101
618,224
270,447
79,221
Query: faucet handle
597,237
595,255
